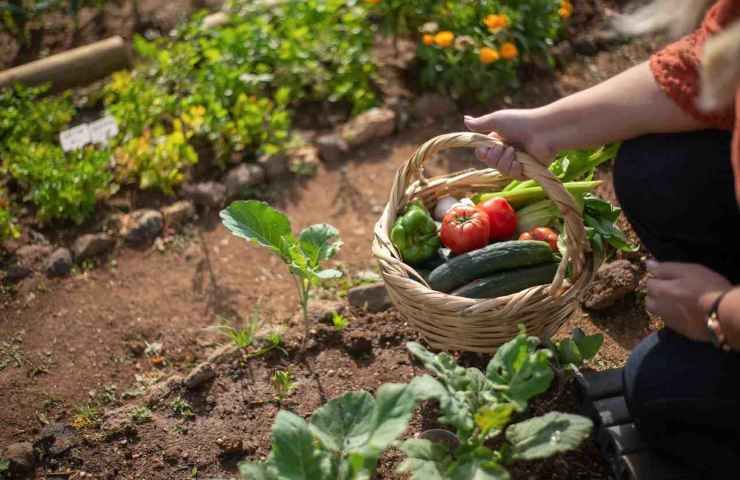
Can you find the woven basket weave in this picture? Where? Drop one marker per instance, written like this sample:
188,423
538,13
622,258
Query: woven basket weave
450,322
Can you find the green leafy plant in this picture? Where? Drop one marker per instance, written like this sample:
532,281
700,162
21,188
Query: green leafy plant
573,352
479,407
141,415
339,321
62,186
181,408
257,222
242,337
4,468
283,383
8,227
342,440
86,416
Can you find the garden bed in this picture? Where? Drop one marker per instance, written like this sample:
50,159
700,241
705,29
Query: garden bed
79,342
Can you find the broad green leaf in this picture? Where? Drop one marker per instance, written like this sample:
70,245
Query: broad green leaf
319,243
256,471
525,370
588,345
569,353
491,419
394,405
258,222
425,460
478,468
360,428
294,454
343,421
542,437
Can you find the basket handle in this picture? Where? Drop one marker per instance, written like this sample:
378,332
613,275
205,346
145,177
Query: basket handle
576,242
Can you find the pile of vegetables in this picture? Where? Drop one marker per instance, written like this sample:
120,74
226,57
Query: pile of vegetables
499,243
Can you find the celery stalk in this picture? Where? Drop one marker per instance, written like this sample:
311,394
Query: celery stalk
521,197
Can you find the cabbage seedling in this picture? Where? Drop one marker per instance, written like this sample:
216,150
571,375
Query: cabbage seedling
258,222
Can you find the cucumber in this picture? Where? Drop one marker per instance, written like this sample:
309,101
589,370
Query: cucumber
508,282
488,260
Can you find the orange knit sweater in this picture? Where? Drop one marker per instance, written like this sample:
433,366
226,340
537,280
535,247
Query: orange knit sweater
676,69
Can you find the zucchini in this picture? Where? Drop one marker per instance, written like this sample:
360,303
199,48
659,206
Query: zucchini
508,282
493,258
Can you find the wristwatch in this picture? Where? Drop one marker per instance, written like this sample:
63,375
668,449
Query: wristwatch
716,336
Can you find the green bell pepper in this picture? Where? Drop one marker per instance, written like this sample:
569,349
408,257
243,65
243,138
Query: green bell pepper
415,234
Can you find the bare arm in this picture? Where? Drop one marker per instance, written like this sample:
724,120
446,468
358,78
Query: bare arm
625,106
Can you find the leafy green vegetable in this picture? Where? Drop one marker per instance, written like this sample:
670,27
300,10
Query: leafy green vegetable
600,218
479,407
258,222
571,353
341,441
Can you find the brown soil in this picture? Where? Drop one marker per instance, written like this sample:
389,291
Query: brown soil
67,342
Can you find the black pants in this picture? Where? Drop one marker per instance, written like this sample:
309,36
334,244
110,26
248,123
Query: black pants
677,192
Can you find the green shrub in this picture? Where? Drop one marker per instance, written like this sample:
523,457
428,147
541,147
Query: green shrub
28,115
8,228
475,47
62,186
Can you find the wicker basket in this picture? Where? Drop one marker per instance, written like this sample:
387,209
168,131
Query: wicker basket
450,322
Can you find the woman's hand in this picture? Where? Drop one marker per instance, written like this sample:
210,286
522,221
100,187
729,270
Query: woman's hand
516,128
675,293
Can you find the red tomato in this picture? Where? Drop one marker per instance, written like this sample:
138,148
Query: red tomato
545,234
502,218
526,236
464,229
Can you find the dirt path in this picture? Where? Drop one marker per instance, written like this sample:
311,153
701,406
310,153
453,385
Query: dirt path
67,343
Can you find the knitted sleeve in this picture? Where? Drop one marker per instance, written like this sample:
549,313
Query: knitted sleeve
676,67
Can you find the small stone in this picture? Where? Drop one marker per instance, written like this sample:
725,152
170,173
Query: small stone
57,438
32,257
241,178
612,283
358,343
373,124
91,245
433,105
199,375
206,194
373,298
230,445
178,213
171,455
59,263
21,458
275,166
332,148
136,347
142,226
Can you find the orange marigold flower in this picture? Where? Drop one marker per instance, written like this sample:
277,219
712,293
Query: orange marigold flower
509,51
488,55
566,9
444,39
427,39
497,22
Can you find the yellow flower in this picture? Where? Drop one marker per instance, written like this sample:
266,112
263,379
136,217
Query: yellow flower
497,22
488,55
428,39
566,9
444,39
509,51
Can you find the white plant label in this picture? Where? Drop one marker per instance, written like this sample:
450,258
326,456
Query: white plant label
103,129
75,138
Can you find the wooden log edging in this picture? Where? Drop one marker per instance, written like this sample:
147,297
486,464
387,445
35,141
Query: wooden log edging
73,68
83,65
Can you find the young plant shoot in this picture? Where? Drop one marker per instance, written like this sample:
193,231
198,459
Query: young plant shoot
258,222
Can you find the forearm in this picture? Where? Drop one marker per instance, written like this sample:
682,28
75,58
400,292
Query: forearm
626,106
